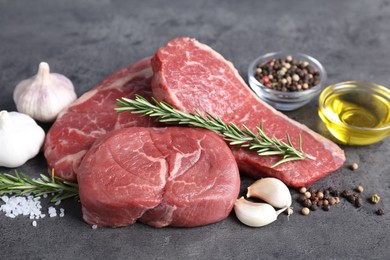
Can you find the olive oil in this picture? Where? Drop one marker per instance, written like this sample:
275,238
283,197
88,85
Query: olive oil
356,115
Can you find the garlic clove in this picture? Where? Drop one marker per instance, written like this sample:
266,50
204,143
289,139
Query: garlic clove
255,214
44,95
272,191
20,138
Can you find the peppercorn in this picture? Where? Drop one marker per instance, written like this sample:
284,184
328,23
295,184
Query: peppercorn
380,211
308,194
359,189
358,202
325,207
325,202
307,203
302,190
351,198
305,211
326,193
320,195
375,198
346,193
336,193
337,200
354,166
301,198
332,201
313,207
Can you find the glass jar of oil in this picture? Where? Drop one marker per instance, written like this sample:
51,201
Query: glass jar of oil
356,112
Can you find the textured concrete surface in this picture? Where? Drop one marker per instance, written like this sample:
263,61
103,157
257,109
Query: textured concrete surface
88,40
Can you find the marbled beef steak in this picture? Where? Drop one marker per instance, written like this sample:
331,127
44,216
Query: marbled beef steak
92,116
190,75
173,176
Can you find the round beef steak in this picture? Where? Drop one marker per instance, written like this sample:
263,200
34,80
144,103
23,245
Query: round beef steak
171,176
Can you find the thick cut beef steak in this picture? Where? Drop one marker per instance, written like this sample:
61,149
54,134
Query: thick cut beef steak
190,75
93,115
173,176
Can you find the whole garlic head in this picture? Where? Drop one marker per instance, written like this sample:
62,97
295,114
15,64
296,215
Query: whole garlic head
44,95
20,138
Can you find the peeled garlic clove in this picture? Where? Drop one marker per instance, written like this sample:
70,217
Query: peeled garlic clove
43,96
255,214
272,191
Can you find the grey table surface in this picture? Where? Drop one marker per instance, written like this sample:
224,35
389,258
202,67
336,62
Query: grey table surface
88,40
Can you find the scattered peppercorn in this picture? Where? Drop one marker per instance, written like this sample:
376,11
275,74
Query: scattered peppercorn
287,74
301,198
358,202
332,201
336,193
359,189
375,198
305,211
312,199
346,193
380,211
302,190
307,203
351,198
354,166
320,195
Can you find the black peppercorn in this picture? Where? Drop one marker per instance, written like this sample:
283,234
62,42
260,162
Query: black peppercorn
336,193
358,202
351,198
325,207
346,193
307,203
301,198
380,211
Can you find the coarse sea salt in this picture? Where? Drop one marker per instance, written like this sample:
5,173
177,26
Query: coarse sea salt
27,205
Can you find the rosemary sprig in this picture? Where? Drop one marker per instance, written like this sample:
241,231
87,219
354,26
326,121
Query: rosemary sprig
262,143
21,184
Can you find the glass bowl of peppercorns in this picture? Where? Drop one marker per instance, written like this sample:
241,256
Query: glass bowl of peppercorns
285,80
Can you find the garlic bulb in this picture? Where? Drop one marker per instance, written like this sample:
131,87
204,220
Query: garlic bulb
20,138
272,191
255,214
44,95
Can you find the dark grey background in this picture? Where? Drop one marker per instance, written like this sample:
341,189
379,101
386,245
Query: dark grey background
88,40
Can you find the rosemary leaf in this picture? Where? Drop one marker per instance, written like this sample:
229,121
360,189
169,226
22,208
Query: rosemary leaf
21,183
244,137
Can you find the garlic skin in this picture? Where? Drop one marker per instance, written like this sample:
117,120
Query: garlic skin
44,95
255,214
272,191
20,138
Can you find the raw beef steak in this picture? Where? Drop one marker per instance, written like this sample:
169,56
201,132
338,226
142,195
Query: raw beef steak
173,176
190,75
93,115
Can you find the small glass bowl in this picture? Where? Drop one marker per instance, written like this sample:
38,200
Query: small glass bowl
285,101
356,112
